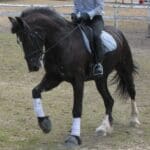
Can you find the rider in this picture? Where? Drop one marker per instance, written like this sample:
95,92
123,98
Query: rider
90,12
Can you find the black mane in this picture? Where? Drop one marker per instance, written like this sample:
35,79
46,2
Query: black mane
43,10
49,12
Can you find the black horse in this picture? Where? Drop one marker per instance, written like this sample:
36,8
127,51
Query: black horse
46,34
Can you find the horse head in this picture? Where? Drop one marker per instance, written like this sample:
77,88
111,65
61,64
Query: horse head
31,39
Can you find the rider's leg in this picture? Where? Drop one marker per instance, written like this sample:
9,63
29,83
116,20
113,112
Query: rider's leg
98,24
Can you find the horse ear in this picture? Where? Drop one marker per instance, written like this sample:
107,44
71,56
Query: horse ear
15,24
12,20
18,24
23,24
20,21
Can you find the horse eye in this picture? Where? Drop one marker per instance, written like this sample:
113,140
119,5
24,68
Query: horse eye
36,32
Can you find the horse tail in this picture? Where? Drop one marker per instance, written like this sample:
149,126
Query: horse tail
125,71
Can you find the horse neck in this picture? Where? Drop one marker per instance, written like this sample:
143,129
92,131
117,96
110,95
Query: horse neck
55,35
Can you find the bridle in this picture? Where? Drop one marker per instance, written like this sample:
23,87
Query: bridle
35,37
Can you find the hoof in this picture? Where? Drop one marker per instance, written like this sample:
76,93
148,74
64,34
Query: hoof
135,123
72,141
103,131
45,124
105,128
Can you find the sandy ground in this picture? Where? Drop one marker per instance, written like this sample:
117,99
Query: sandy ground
18,125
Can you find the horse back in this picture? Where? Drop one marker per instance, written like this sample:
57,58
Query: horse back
116,33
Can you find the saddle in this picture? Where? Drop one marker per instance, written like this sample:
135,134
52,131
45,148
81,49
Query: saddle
108,41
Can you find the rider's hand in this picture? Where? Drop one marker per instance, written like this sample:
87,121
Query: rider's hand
85,16
74,18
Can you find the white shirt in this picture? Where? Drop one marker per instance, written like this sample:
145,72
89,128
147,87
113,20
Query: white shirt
92,7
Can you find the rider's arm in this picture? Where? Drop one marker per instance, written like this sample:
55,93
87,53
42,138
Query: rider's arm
77,6
98,9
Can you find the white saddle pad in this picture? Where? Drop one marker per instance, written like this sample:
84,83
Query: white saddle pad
107,40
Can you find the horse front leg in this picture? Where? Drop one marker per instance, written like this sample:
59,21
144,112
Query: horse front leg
46,84
74,137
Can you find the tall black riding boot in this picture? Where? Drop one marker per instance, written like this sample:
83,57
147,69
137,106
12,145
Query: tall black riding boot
99,52
97,25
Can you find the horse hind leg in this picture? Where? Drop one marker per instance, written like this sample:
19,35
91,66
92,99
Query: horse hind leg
126,70
134,121
106,125
128,88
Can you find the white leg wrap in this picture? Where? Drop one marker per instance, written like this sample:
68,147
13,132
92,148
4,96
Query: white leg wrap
75,130
38,109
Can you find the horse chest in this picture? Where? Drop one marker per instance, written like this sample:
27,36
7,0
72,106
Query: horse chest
58,69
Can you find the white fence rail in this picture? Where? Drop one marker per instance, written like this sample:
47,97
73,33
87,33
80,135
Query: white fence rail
115,16
34,5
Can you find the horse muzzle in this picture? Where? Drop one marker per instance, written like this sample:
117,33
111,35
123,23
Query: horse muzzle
33,64
33,67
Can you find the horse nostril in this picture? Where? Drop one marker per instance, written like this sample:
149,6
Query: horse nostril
36,68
